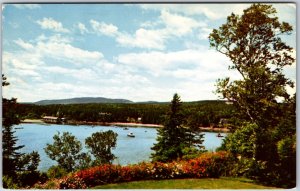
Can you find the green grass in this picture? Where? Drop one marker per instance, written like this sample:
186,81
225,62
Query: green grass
205,183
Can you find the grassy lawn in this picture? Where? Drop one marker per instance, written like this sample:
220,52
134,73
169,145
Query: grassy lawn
205,183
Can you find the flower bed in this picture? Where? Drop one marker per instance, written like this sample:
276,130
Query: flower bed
206,165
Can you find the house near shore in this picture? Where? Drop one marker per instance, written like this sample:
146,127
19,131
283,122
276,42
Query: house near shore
52,119
224,123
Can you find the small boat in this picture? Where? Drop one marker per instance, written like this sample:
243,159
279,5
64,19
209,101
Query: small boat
125,128
130,135
219,135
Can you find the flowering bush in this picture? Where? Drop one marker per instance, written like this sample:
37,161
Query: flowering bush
72,182
206,165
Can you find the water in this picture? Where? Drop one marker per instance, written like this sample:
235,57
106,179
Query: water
128,151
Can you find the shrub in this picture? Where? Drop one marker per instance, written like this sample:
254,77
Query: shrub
56,172
72,182
206,165
8,182
52,184
28,179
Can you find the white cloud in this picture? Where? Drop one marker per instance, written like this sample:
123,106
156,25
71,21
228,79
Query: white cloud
197,65
23,44
82,28
178,25
59,48
103,28
27,6
192,73
51,24
50,67
211,11
173,25
148,39
38,57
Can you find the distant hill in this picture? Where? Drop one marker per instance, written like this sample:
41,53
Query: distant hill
85,100
82,100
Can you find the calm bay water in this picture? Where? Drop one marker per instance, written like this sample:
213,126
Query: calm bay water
128,151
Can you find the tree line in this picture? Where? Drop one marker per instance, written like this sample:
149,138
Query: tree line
205,113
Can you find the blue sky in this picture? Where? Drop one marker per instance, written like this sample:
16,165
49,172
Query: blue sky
139,52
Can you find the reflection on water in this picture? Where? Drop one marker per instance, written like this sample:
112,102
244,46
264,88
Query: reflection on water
129,150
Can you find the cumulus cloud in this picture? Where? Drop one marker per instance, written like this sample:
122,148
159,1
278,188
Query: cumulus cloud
82,28
170,26
143,38
51,24
179,25
103,28
191,64
49,65
195,71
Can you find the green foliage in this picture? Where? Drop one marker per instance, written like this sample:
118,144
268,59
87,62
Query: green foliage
66,151
9,182
286,149
17,166
204,112
172,138
11,155
100,144
27,179
253,44
242,141
56,172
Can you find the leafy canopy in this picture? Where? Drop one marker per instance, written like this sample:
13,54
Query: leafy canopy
66,150
253,44
100,144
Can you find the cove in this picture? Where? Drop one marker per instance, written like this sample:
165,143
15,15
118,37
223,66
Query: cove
128,150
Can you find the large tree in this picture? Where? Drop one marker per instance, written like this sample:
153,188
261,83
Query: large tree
253,43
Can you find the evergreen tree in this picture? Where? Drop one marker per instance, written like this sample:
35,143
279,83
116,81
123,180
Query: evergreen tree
17,166
172,138
10,153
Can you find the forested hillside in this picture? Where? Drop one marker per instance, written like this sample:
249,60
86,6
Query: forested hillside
82,100
202,112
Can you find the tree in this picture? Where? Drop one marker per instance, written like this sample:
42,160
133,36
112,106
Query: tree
17,166
66,150
173,138
100,144
253,44
11,154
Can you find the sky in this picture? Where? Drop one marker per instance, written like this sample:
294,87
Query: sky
140,52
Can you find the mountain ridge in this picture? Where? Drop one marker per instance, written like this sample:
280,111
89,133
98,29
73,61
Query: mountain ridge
88,100
81,100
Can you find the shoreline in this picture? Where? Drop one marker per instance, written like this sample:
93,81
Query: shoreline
124,124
